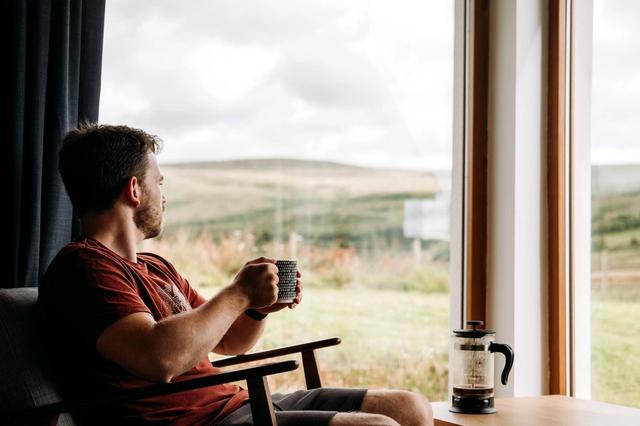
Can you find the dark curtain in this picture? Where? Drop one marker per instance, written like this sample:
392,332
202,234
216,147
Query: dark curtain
51,63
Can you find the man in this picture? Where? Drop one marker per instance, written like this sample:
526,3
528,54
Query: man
127,319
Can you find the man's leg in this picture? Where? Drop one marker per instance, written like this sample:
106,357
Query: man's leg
406,408
359,419
344,407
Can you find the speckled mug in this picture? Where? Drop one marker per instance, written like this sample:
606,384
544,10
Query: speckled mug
287,274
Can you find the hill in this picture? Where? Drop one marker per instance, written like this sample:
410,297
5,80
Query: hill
615,179
322,201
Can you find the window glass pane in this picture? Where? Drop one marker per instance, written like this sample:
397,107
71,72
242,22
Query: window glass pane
615,160
314,130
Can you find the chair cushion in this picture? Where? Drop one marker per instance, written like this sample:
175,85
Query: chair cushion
26,378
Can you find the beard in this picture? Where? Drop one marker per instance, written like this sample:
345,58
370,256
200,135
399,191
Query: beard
148,219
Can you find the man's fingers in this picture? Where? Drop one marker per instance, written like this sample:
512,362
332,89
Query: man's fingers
298,298
261,260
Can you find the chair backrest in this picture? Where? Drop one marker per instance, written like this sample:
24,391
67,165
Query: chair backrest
26,378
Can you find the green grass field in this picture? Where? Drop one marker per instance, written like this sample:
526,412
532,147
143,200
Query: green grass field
389,339
615,337
363,283
400,340
615,263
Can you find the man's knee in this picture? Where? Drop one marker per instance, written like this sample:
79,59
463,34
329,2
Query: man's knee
352,419
417,404
413,399
406,407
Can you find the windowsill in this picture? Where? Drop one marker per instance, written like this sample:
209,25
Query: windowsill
547,410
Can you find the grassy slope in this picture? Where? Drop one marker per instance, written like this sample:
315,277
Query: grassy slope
316,196
390,339
615,321
320,200
388,336
616,216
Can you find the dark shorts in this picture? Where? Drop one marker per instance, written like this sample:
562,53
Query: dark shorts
304,407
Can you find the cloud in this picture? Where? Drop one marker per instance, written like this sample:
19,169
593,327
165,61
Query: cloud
252,22
343,80
363,82
616,82
331,77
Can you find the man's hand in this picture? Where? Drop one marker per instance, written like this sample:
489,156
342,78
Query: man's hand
279,306
258,282
245,331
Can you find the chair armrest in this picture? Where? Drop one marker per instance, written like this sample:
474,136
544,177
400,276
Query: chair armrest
151,390
286,350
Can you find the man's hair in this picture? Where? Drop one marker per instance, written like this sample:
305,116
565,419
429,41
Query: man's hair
96,161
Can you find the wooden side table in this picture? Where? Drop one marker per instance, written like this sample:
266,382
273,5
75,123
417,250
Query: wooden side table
549,410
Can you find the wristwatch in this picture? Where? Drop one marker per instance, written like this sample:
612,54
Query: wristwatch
254,314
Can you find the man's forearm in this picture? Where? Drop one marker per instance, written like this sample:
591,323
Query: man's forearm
185,339
241,336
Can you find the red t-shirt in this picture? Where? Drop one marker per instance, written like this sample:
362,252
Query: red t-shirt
88,287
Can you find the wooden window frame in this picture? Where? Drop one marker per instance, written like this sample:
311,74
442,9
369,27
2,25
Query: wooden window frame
477,145
560,198
559,175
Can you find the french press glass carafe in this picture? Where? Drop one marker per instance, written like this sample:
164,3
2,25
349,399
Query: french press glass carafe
473,369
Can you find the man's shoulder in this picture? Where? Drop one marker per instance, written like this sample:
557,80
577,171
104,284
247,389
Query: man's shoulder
156,259
79,252
69,271
147,255
78,261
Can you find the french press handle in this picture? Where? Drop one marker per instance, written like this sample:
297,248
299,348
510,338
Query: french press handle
508,358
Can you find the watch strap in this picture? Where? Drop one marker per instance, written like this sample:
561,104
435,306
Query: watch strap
254,314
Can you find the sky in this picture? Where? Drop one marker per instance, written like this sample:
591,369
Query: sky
615,103
360,82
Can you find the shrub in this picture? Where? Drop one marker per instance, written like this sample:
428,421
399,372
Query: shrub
422,278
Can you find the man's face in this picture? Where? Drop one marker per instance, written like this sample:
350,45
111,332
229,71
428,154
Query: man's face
149,216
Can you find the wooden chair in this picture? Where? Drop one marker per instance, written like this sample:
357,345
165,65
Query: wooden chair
30,395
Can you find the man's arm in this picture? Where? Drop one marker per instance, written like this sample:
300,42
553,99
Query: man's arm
245,331
162,350
241,336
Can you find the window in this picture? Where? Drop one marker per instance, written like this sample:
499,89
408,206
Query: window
320,131
615,186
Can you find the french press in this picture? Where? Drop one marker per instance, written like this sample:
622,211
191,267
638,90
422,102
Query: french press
473,369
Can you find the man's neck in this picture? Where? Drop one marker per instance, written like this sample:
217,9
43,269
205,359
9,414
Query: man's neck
115,230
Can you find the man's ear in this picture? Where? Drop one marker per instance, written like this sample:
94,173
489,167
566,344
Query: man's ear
132,192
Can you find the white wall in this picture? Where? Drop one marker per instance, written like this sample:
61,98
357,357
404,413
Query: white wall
517,252
583,37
